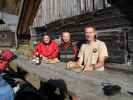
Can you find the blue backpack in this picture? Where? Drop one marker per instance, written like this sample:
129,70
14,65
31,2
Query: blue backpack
6,92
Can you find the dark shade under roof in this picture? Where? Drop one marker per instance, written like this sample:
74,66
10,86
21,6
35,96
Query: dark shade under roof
2,22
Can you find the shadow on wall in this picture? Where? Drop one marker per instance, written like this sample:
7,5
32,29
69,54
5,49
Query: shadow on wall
125,7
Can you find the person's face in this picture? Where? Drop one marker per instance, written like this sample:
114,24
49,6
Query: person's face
46,39
66,37
90,34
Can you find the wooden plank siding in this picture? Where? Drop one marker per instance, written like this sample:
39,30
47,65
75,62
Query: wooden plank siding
53,10
74,15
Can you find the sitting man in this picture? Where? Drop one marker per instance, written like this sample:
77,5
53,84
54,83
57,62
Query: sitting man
67,50
48,48
93,53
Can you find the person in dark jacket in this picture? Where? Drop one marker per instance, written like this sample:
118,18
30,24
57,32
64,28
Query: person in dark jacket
67,51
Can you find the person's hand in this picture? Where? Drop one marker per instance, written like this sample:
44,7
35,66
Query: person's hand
87,68
97,67
33,56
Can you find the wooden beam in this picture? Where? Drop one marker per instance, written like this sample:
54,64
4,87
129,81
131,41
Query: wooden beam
28,13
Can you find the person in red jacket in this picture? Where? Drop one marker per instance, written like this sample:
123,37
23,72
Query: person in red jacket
47,48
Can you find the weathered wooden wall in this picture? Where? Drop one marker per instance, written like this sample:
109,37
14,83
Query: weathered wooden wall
118,16
52,10
116,41
9,19
8,29
10,6
130,44
7,37
119,41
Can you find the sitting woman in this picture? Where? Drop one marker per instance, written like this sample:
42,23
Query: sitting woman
67,50
48,48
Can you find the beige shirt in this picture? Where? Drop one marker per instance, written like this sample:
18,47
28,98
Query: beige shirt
90,52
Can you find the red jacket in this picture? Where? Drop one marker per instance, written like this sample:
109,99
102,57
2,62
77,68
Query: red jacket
3,65
7,55
50,51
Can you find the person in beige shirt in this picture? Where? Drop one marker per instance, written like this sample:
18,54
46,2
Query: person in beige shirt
93,53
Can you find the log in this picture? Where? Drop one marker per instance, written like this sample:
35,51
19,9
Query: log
117,56
7,38
130,56
130,46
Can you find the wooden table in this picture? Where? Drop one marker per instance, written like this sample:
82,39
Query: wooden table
87,86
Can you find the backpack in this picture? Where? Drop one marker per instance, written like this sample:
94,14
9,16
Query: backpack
7,55
3,65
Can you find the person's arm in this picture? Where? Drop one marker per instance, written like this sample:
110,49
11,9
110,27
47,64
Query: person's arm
75,51
54,52
36,49
103,54
100,63
80,55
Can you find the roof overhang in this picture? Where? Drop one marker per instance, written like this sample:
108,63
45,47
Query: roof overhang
10,6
